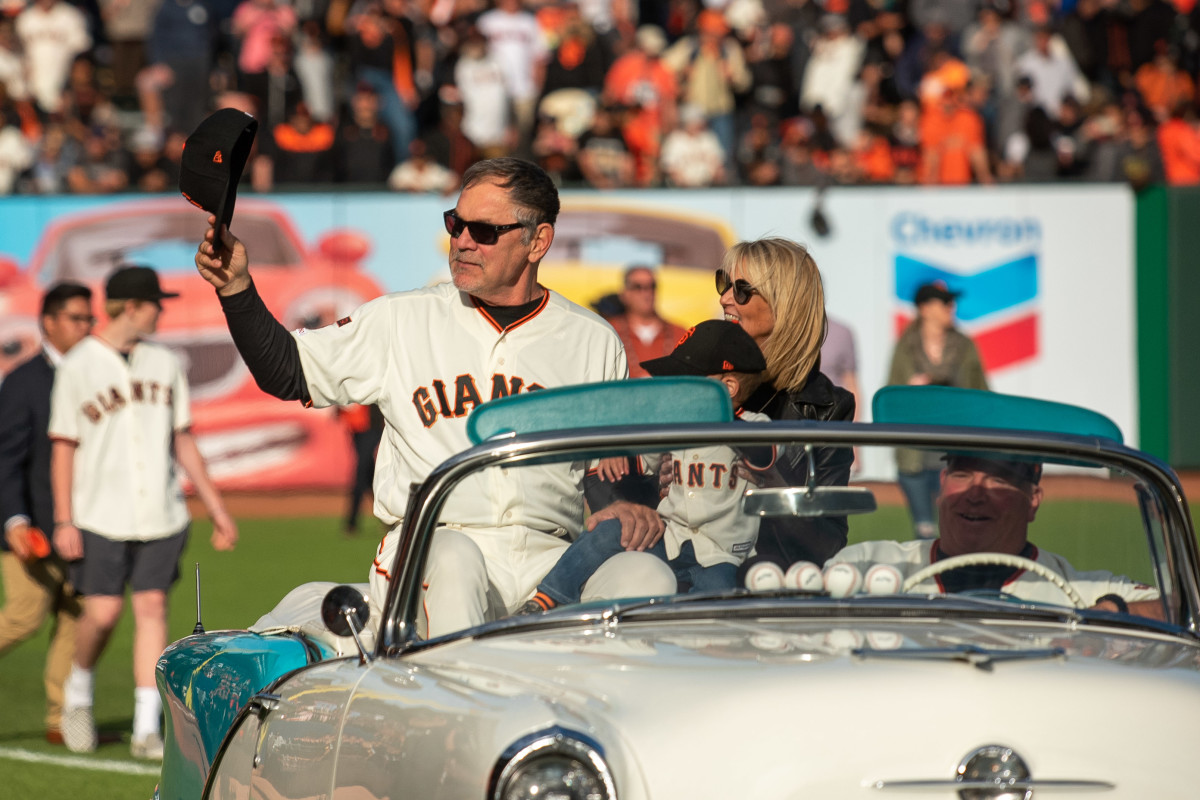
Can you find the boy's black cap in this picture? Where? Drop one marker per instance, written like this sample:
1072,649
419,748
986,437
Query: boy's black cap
135,283
935,291
213,158
713,347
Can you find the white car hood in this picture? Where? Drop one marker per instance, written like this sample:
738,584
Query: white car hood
692,709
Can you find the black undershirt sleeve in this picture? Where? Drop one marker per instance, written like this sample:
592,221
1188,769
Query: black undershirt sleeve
266,346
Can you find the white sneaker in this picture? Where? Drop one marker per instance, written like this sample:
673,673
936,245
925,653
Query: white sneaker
79,730
149,747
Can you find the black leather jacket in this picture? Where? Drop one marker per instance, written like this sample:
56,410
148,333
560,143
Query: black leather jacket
786,541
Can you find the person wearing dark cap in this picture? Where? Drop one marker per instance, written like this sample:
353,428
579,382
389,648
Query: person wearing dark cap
707,535
119,430
931,352
986,502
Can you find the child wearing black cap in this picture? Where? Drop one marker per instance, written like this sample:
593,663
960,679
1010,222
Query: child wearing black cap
707,536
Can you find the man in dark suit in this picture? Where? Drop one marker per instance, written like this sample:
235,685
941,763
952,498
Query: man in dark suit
35,578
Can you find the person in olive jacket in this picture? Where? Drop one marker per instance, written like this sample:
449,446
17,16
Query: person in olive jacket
931,352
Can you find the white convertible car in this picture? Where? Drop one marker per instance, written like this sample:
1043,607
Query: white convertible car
1046,644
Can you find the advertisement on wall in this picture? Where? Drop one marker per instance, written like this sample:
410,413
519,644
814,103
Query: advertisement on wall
1046,280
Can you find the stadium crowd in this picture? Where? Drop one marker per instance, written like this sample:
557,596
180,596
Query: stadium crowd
97,96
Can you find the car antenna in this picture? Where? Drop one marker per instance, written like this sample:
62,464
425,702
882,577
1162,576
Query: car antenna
199,625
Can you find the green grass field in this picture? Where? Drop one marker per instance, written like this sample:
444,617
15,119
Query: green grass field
272,557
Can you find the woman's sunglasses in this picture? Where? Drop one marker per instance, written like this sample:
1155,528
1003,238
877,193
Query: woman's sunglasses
481,232
742,290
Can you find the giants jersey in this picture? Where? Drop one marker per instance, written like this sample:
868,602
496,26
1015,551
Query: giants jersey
704,502
428,358
910,556
122,416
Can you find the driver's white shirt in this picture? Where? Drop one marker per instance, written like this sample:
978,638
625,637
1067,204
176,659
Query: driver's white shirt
911,556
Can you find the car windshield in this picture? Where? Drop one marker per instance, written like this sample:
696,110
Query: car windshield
745,523
165,241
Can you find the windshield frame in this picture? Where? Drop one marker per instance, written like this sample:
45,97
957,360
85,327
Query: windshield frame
397,626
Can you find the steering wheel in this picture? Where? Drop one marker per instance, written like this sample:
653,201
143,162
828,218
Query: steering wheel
995,559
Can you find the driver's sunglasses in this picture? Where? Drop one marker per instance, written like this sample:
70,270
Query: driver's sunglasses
481,232
742,290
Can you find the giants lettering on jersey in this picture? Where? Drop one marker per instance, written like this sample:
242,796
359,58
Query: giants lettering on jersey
702,475
113,400
458,397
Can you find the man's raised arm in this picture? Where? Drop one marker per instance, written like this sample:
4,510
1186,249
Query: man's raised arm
268,349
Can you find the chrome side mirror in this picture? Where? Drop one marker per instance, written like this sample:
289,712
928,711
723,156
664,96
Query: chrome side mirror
345,611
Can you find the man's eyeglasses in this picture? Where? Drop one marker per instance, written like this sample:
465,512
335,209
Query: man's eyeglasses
642,287
82,319
742,290
481,232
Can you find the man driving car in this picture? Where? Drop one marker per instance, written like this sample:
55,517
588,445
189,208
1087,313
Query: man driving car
985,506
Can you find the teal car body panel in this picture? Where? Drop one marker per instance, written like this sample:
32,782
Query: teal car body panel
205,680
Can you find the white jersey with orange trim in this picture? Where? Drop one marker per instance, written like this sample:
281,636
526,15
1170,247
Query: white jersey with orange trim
427,358
916,554
122,414
704,501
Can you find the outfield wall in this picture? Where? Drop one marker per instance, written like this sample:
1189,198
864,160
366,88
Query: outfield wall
1168,240
1048,273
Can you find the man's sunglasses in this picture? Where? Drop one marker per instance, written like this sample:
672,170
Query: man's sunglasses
81,319
742,290
481,232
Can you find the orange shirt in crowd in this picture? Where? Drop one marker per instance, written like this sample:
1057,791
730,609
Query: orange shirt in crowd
644,141
950,75
1162,90
637,80
1179,142
873,158
950,135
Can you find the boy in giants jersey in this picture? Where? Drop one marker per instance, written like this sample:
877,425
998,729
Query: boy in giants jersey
120,429
707,535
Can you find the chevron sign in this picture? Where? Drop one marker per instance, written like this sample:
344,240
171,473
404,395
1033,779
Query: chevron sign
998,307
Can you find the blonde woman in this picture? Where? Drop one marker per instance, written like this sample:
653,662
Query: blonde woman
773,289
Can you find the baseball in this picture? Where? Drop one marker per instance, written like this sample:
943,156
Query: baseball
842,580
841,639
804,575
882,579
884,640
764,576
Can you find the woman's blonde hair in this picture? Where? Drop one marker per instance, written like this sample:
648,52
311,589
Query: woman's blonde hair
786,276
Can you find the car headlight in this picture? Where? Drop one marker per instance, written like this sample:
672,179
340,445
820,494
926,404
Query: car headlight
555,764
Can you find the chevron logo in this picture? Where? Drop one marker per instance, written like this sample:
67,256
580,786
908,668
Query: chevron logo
997,307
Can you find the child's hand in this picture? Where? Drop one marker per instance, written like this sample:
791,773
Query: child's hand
760,478
666,475
613,469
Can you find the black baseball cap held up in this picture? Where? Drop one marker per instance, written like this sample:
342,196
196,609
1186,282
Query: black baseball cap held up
213,158
713,347
135,283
